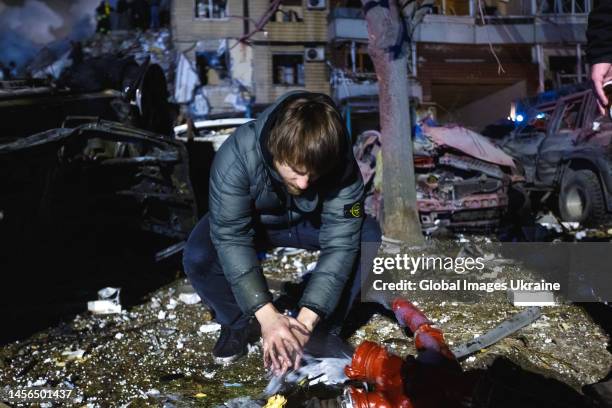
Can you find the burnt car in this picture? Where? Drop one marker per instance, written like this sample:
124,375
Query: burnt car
94,176
565,149
85,206
111,88
203,138
462,179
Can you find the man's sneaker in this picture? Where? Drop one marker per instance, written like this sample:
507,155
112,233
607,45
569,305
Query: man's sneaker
231,345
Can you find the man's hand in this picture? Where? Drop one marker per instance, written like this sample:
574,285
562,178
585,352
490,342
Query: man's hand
600,73
281,348
309,319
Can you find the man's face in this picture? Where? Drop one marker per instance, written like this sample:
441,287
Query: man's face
296,178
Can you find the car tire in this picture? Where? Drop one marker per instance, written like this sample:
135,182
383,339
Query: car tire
581,198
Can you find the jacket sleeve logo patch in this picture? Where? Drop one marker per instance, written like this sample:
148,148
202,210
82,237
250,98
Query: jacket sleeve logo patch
353,210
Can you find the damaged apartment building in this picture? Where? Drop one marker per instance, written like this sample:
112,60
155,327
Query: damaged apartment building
464,54
247,53
469,59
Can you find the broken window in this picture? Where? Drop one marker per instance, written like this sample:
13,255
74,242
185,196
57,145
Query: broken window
562,6
211,8
352,3
564,71
363,62
288,69
212,65
289,11
570,118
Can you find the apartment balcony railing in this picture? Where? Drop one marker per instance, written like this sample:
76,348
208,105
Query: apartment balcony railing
540,28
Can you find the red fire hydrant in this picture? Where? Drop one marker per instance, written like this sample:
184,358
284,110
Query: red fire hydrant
374,365
389,374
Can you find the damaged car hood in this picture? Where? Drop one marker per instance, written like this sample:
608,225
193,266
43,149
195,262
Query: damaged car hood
470,143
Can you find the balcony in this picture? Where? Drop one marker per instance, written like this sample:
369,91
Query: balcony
361,90
349,25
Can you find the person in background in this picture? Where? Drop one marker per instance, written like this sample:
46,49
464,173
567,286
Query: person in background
599,49
103,17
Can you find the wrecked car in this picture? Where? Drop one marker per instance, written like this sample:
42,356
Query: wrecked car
462,179
115,89
93,175
565,149
213,131
20,101
203,138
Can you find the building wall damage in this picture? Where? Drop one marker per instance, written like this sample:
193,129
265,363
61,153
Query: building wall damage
248,53
462,53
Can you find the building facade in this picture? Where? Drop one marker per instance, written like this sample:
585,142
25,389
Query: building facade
246,54
465,57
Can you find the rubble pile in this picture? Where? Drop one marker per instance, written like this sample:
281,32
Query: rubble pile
159,353
139,44
156,353
573,230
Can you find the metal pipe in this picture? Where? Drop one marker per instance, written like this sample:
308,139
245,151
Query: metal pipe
540,57
245,13
428,340
414,59
579,62
353,56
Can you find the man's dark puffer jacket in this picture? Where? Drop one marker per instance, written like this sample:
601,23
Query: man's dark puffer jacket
599,33
245,189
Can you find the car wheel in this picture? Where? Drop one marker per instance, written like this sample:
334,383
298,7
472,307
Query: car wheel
581,199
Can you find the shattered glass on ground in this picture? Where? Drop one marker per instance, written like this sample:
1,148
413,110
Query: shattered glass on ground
159,353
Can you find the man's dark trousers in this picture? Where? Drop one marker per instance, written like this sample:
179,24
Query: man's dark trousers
206,275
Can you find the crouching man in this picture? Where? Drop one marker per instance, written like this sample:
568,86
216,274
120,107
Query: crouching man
288,179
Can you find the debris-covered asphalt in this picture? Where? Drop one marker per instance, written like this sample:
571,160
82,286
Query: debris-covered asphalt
159,353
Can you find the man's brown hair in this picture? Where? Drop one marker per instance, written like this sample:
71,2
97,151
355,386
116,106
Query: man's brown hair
308,133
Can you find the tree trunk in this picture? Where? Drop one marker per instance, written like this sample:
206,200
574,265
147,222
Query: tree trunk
401,219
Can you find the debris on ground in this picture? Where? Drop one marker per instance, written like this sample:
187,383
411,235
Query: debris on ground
137,358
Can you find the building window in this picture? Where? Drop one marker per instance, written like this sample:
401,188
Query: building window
571,117
212,67
289,11
212,61
288,69
211,8
363,62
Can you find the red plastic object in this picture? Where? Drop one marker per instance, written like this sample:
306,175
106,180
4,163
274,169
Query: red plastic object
426,337
408,315
433,380
360,398
373,364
